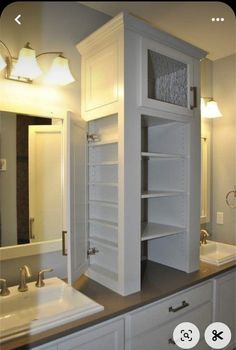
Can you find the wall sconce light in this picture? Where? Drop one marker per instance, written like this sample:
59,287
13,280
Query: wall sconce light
26,67
210,109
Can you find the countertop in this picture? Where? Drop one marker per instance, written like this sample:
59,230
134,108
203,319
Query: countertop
158,281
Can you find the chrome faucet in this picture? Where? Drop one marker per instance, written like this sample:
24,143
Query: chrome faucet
24,272
4,290
40,283
203,236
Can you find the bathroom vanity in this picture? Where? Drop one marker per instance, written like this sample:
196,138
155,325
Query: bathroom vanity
144,319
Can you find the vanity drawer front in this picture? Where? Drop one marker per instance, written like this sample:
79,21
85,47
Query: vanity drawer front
161,337
159,312
105,336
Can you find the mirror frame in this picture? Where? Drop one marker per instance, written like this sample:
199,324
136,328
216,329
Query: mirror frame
28,249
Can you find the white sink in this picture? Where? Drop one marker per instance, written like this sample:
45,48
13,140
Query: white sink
39,309
217,253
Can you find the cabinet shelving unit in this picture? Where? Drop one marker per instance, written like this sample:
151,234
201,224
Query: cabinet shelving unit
152,230
160,155
156,194
164,194
143,158
105,242
103,222
112,184
108,204
103,200
103,143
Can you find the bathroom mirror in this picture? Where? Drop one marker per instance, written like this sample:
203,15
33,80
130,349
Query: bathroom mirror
31,188
219,152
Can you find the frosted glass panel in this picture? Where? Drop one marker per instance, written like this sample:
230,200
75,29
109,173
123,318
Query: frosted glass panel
167,79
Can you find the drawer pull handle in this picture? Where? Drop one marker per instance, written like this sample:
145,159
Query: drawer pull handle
171,341
184,304
64,250
194,91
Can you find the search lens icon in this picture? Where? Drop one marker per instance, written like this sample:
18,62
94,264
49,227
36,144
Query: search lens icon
186,335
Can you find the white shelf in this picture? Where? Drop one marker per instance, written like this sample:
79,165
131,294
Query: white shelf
103,203
107,274
104,223
156,194
162,155
151,230
104,163
111,184
102,143
104,242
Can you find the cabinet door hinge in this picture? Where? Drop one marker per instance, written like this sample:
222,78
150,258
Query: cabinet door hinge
92,251
93,138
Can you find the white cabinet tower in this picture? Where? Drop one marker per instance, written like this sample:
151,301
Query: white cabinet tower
140,97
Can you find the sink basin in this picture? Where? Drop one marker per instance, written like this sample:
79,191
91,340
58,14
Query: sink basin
217,253
39,309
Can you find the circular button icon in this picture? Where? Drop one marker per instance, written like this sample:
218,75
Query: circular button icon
217,335
186,335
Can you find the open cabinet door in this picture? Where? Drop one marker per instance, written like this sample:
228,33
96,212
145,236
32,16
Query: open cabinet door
75,210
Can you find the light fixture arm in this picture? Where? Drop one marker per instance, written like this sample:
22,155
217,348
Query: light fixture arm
50,53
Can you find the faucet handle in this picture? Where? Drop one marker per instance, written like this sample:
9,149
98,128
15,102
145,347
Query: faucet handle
24,272
203,236
4,290
40,283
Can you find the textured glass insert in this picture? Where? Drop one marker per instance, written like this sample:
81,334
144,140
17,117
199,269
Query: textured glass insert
167,79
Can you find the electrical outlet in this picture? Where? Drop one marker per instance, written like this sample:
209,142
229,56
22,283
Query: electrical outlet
220,218
3,164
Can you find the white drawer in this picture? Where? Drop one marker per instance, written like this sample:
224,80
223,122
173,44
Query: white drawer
166,310
161,336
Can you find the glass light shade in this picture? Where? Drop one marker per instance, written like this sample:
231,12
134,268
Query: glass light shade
26,65
3,64
212,110
203,108
59,73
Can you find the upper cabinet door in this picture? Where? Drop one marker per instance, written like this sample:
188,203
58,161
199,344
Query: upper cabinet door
166,79
101,81
75,208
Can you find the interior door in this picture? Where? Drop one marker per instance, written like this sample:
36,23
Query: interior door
75,209
45,182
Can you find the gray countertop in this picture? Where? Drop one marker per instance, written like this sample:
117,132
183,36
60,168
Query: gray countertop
158,281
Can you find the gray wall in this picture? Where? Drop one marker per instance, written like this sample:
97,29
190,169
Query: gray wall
224,147
49,26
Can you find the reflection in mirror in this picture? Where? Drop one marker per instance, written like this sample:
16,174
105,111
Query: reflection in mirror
30,179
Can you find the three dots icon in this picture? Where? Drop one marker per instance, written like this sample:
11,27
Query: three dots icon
217,19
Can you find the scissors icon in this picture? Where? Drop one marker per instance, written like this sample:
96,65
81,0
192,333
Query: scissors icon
216,335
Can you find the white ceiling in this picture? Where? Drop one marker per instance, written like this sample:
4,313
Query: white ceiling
190,21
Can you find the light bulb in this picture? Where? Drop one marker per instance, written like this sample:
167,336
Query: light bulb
26,65
212,110
59,73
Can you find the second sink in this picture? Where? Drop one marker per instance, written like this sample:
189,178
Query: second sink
217,253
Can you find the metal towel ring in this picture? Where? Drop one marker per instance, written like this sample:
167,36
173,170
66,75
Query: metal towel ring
227,198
